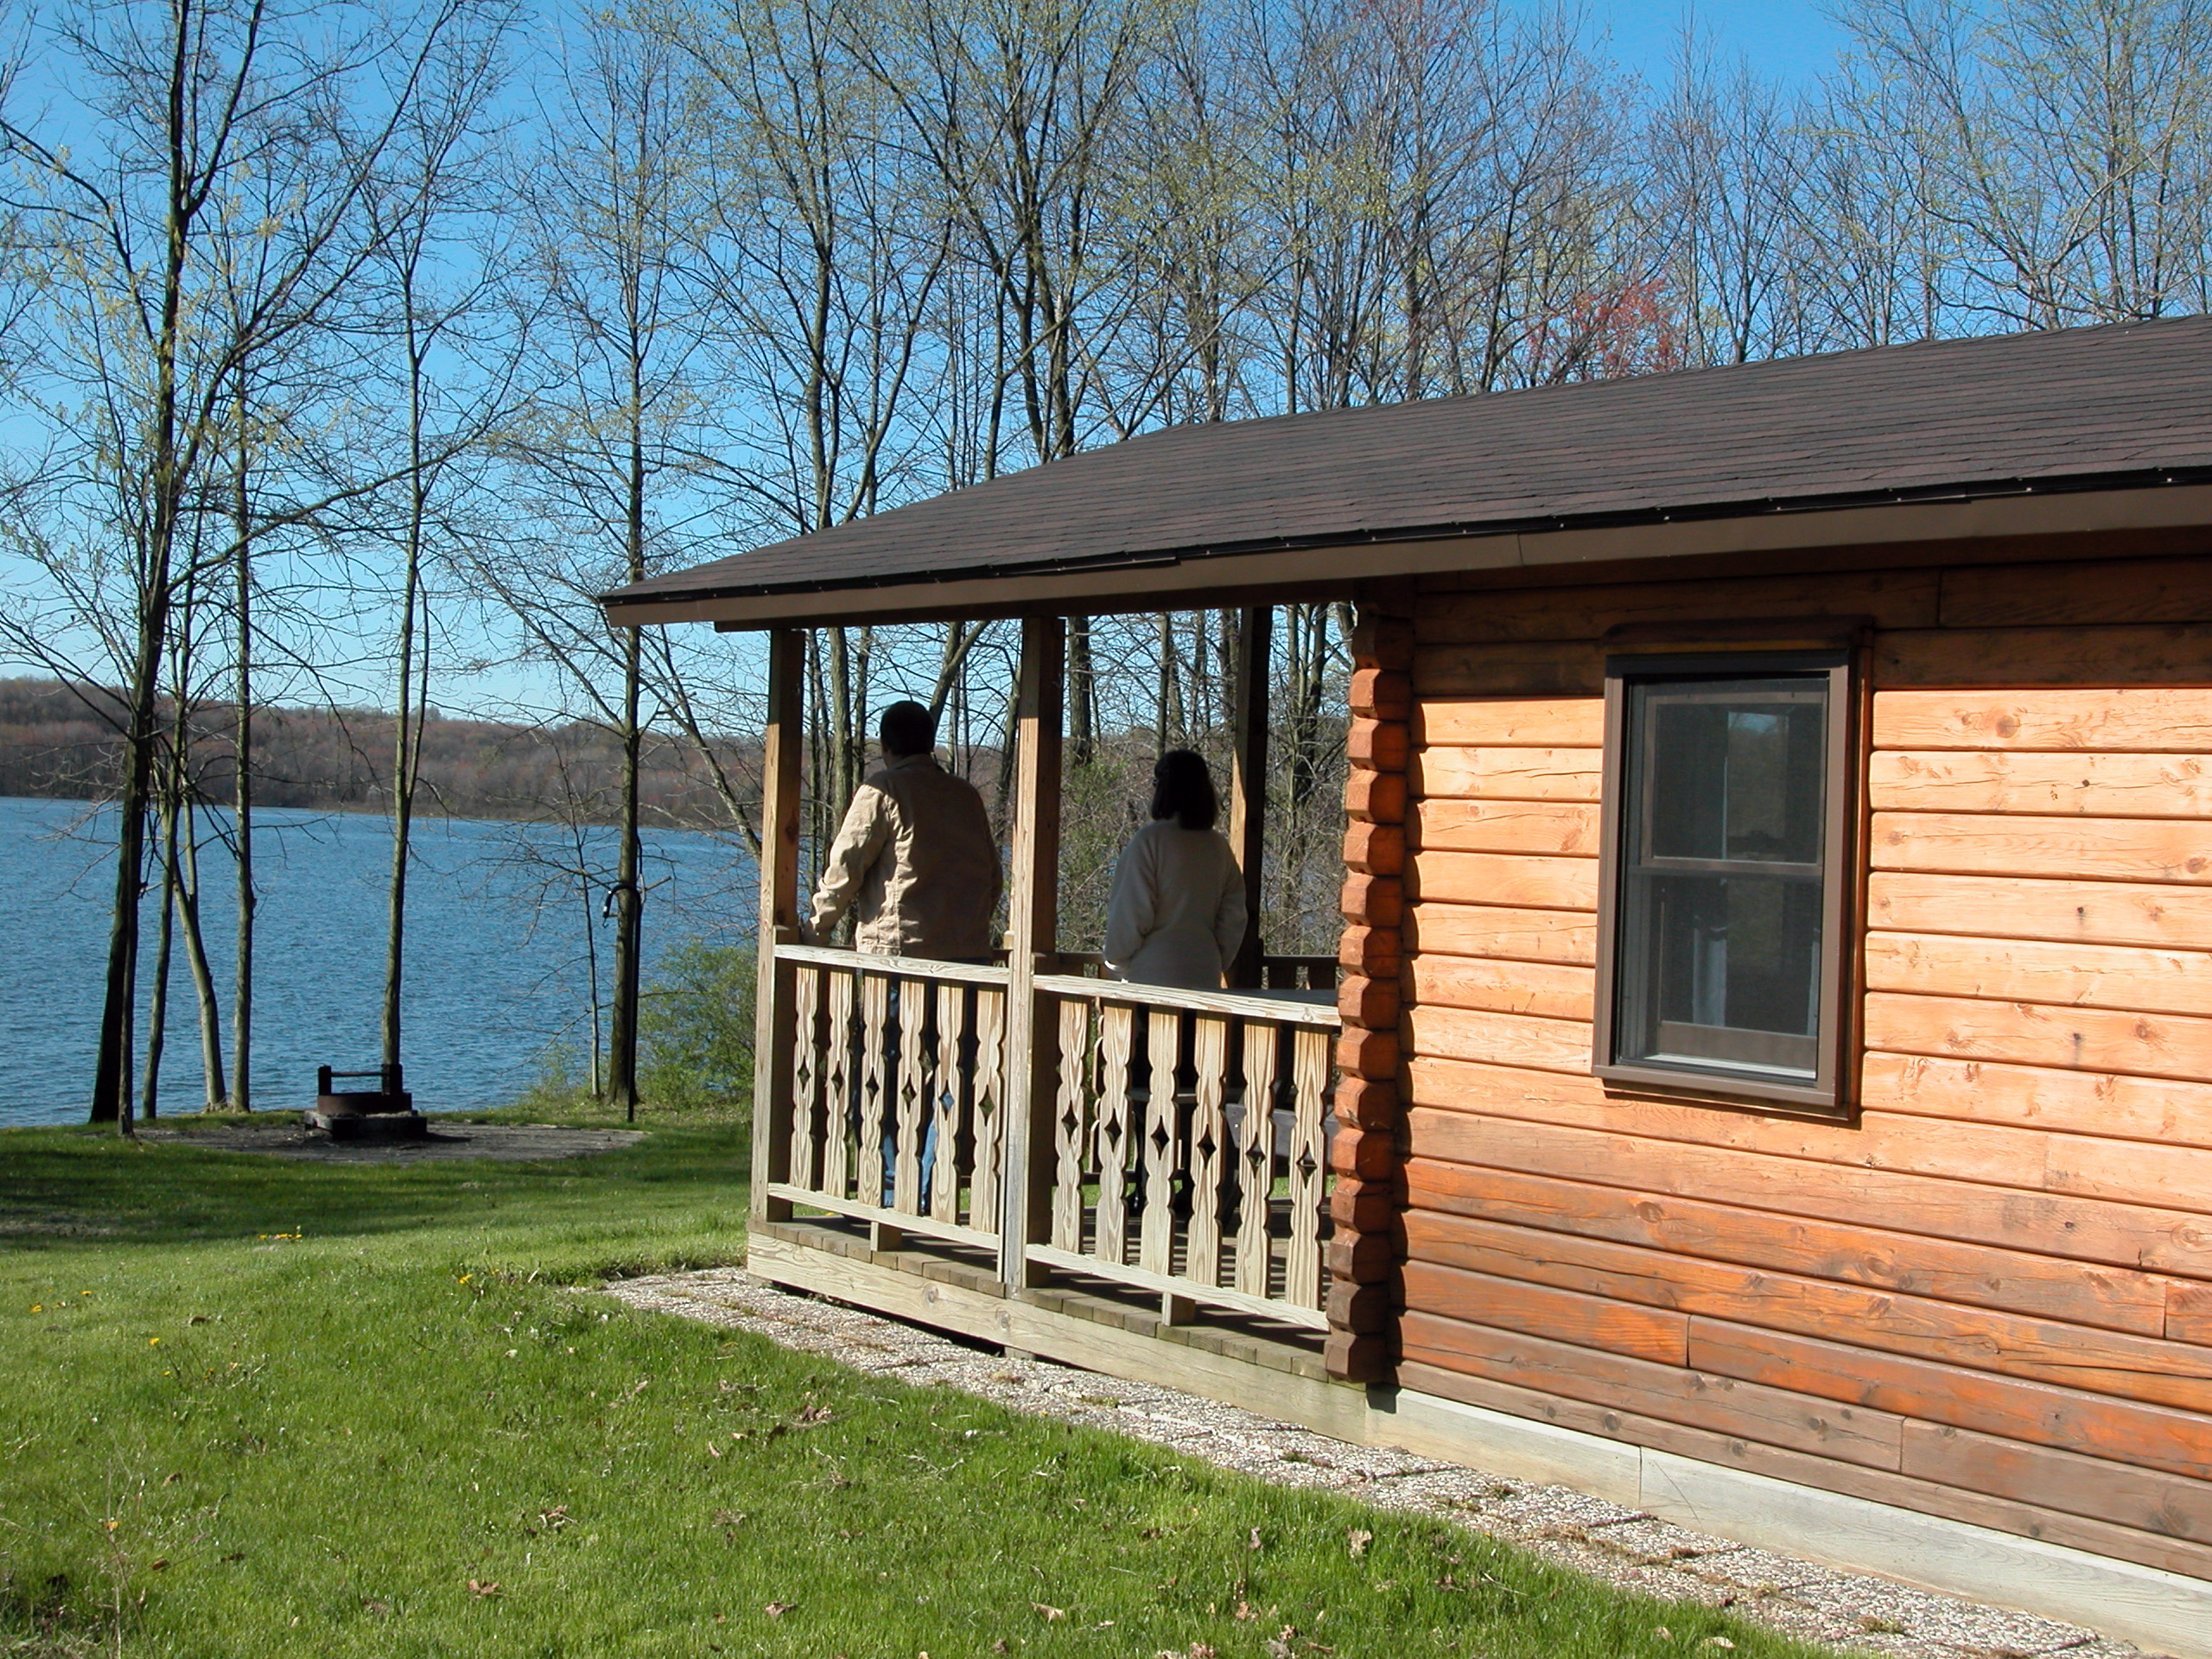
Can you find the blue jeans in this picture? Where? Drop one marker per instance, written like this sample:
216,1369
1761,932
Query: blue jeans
945,1102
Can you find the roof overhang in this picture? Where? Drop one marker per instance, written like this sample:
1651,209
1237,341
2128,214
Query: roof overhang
2006,511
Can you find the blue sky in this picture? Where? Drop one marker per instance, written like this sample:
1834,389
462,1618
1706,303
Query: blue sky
1791,40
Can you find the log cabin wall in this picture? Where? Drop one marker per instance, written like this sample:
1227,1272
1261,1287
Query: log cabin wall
1988,1296
1366,1202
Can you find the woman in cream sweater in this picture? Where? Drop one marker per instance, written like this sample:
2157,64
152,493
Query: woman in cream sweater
1177,915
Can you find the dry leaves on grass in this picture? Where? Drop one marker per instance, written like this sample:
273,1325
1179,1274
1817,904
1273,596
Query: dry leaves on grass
1358,1539
482,1587
778,1609
1050,1613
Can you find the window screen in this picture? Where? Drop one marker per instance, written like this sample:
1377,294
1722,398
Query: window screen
1723,881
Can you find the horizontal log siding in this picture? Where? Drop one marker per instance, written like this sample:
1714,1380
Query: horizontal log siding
1989,1296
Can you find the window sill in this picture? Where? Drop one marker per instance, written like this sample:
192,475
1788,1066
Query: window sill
1681,1087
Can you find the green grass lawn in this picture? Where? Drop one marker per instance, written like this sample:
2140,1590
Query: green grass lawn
256,1407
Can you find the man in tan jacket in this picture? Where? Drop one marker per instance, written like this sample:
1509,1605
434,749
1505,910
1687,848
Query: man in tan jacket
914,861
916,865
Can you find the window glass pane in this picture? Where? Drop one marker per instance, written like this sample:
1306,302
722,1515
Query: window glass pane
1721,952
1735,957
1735,772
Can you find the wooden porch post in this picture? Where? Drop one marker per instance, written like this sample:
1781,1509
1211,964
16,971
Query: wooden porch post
774,1032
1033,919
1247,779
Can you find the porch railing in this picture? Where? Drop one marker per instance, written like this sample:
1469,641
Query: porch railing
898,1091
1276,973
1191,1143
1188,1151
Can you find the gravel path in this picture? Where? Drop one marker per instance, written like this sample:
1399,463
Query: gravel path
512,1142
1621,1546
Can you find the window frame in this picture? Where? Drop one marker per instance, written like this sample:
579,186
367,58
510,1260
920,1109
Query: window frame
1827,1093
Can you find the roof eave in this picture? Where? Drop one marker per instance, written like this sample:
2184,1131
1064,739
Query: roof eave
2158,499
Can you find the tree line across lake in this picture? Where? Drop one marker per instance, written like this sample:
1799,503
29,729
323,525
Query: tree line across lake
63,741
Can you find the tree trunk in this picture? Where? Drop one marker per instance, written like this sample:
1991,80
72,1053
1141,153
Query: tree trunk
111,1075
629,907
1083,701
195,956
157,1015
628,895
842,716
413,703
242,794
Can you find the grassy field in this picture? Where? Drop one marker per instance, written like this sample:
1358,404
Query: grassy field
257,1407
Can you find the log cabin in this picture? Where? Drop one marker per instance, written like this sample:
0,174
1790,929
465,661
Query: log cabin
1767,1076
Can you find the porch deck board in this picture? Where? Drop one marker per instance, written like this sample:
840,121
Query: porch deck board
1230,1333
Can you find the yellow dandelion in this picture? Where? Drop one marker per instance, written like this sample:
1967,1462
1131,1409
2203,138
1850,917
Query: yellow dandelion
153,1342
38,1307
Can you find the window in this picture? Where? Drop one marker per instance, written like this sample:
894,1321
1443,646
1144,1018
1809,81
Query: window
1722,932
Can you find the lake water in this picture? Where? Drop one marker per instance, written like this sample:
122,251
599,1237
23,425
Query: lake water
497,973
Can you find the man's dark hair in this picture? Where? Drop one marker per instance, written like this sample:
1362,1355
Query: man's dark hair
905,728
1182,789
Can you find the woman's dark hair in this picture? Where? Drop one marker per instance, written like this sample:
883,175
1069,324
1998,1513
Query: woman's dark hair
1182,789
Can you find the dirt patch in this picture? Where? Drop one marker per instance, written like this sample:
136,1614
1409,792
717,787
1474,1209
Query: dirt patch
283,1137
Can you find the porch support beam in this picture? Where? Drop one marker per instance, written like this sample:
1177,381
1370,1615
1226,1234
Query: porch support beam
1247,779
1033,919
774,1031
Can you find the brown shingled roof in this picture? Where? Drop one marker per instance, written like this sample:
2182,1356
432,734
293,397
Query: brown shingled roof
2095,408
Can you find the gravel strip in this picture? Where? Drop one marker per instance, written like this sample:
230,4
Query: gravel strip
1621,1546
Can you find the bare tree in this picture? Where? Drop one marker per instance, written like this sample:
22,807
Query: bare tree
140,234
1018,107
2066,144
615,450
438,179
1726,161
824,250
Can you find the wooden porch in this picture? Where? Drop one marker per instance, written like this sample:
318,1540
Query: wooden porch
1028,1132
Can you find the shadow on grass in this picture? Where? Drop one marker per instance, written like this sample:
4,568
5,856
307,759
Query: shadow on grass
77,1186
